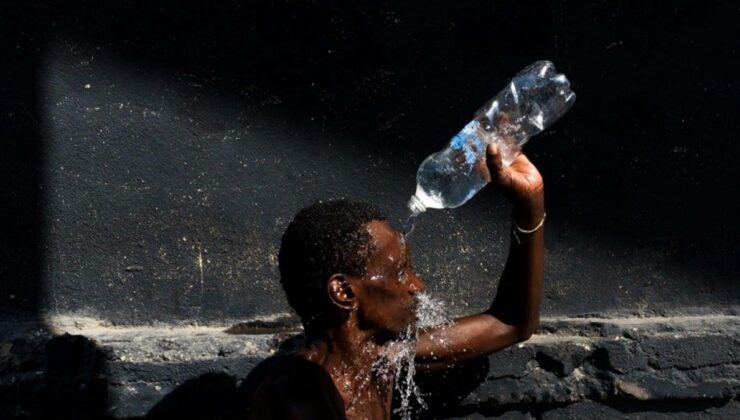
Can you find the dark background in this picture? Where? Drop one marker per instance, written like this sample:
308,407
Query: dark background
153,152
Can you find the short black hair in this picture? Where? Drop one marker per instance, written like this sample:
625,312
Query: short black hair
323,239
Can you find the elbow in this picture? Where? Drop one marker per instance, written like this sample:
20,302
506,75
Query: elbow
522,335
525,331
519,328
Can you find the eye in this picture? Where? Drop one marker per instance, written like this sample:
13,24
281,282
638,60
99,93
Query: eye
402,275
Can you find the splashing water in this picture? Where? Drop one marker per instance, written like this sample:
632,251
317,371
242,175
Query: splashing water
430,312
405,385
397,360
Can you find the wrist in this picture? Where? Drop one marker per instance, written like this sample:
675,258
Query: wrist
529,210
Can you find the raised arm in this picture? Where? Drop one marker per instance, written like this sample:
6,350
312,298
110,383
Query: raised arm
514,313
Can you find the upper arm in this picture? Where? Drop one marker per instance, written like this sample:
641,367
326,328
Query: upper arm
464,339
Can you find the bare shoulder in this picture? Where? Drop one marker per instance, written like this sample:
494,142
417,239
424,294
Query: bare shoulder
291,387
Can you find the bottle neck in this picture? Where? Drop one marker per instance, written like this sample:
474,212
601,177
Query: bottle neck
416,206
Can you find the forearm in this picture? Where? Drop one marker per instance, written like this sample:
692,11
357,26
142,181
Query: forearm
517,301
514,313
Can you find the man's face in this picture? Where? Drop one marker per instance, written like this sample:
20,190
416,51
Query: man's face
386,293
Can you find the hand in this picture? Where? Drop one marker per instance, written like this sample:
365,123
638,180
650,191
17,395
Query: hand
521,182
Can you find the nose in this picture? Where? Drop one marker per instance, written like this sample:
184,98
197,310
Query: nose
416,285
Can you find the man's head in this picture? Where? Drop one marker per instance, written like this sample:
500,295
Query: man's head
342,256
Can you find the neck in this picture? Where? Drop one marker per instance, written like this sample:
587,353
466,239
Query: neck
349,355
343,348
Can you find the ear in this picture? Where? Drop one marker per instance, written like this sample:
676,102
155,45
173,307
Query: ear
341,292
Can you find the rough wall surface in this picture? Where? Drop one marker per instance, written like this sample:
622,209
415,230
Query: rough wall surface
155,151
174,144
676,367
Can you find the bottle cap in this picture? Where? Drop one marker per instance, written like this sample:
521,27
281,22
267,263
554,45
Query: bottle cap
416,206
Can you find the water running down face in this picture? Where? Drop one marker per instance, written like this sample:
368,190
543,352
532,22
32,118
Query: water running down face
392,302
386,293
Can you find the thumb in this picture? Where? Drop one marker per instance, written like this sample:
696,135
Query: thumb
494,160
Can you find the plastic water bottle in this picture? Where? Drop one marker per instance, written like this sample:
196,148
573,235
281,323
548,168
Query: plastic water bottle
534,99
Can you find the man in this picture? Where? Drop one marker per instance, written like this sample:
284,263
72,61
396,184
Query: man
347,273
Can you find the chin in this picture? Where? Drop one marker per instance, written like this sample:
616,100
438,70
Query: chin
404,328
397,331
400,327
386,336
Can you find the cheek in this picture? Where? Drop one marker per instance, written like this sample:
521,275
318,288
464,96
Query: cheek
379,295
383,298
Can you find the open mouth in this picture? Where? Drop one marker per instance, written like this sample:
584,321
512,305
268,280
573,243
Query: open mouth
413,307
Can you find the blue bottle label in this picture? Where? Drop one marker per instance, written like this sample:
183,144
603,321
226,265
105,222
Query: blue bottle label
469,144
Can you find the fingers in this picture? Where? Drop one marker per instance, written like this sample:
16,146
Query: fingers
518,180
493,158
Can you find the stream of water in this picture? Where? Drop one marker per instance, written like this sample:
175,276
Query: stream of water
408,225
398,359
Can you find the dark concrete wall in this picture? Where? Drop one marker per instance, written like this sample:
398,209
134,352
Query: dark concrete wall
157,151
578,368
153,153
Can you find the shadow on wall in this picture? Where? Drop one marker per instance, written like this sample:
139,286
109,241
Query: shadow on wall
22,43
53,377
41,375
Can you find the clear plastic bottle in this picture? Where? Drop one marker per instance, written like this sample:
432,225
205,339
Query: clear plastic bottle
534,99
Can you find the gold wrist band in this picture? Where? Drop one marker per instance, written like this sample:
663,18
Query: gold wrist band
520,230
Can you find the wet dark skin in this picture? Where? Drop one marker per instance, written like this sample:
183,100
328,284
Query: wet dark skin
372,310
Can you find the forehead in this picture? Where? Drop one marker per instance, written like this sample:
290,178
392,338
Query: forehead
388,241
